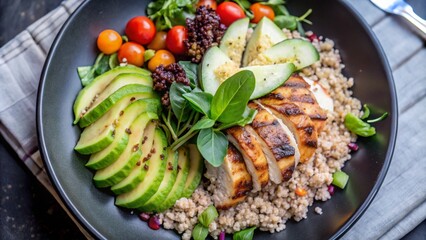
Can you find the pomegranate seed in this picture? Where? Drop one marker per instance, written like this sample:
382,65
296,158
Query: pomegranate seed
330,189
353,146
222,236
154,223
144,217
312,37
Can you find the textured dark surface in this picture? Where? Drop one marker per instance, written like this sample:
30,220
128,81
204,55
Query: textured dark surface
27,210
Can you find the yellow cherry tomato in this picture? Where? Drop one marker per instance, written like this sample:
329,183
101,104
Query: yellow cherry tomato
109,41
161,57
159,41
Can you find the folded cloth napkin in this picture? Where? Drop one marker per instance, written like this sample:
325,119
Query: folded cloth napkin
399,206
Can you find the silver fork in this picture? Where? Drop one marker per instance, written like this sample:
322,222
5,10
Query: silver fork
401,8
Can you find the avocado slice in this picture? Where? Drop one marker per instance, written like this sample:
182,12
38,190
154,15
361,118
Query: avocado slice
297,51
177,189
100,134
195,171
216,68
156,167
118,170
265,35
108,155
118,82
138,174
233,42
166,185
88,93
106,104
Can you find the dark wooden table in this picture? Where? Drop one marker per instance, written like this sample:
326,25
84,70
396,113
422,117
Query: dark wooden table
28,211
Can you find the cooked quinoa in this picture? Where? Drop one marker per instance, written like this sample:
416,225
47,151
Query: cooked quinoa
270,208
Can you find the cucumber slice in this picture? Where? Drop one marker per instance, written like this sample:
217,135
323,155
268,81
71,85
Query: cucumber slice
233,42
166,185
297,51
137,174
153,178
106,104
100,134
195,171
177,190
108,155
340,179
118,170
265,35
88,93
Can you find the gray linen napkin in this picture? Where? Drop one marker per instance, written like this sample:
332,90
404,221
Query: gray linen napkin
399,206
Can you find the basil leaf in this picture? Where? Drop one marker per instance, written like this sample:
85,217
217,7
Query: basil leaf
203,124
289,22
366,113
246,234
208,216
191,71
101,64
247,118
280,10
232,96
199,101
359,127
213,145
179,104
200,232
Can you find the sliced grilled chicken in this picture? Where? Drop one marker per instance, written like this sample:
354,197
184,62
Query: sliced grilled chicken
235,181
296,120
321,95
296,90
278,144
251,149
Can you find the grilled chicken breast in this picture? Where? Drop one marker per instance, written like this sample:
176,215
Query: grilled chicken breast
235,181
278,144
297,91
251,149
296,120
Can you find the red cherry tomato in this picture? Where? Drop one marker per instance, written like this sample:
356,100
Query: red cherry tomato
260,11
208,3
229,12
140,29
132,53
109,41
175,38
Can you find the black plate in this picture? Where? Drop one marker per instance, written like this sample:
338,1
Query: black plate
75,46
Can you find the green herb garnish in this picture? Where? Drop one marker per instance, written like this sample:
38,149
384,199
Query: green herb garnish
200,232
246,234
208,216
361,126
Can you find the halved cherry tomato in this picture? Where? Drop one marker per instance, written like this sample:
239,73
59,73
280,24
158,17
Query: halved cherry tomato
163,57
109,41
140,29
159,41
260,11
132,53
229,12
208,3
175,38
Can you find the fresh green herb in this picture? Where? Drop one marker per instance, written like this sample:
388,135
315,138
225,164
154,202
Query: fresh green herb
125,38
246,234
359,127
208,216
292,22
101,64
366,111
384,115
200,101
200,232
83,71
280,10
88,73
148,55
247,118
232,96
191,70
169,13
340,179
245,5
212,145
179,104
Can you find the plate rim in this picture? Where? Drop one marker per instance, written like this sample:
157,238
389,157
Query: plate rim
342,230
